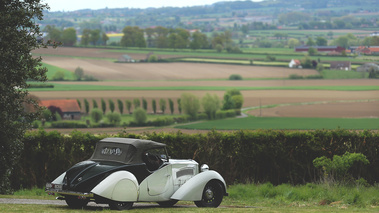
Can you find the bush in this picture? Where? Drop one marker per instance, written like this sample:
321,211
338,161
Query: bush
190,104
68,124
314,77
139,116
221,114
202,116
270,58
114,117
235,77
96,115
58,76
276,156
165,121
152,58
296,76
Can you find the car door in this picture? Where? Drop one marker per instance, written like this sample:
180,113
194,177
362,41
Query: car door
160,181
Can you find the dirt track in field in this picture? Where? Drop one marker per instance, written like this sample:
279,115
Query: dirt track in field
334,103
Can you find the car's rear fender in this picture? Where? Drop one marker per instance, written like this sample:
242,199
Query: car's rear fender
119,186
192,190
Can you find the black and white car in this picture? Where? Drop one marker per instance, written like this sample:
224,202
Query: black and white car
122,171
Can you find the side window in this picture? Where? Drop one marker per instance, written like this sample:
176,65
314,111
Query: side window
154,158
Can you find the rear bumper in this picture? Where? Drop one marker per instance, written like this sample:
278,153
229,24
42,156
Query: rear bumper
53,191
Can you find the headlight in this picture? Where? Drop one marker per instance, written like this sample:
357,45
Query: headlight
204,168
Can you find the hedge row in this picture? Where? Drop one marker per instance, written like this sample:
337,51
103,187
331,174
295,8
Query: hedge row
241,156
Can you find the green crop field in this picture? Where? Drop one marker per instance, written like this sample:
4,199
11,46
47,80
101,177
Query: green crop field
52,70
80,87
285,123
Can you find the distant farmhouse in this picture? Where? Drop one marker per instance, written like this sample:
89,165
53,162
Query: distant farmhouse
69,107
125,59
340,65
325,49
294,63
365,50
368,67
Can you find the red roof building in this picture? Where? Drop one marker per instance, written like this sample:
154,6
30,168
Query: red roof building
69,107
321,48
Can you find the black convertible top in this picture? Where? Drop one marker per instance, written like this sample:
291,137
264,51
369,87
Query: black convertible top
123,150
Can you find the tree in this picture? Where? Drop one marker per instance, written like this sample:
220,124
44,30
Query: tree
321,41
190,104
136,103
312,51
310,42
96,115
171,104
103,106
306,62
86,106
233,99
228,102
128,105
293,42
94,36
85,37
79,103
94,104
144,104
79,72
120,106
18,37
111,105
219,48
133,37
54,34
198,41
104,38
162,105
179,105
139,116
69,37
154,105
210,105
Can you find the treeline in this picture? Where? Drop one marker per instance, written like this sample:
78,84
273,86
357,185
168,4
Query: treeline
158,37
242,156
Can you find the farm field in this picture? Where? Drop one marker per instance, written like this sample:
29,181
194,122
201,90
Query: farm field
278,96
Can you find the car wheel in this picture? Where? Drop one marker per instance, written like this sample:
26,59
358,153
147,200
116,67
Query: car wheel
212,195
75,203
167,203
114,205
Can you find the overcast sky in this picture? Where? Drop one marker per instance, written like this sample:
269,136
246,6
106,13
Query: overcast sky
71,5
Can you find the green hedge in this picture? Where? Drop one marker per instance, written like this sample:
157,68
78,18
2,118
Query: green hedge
240,156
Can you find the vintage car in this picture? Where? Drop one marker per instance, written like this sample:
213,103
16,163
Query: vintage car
122,171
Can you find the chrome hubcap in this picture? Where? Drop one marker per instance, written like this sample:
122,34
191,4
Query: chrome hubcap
209,194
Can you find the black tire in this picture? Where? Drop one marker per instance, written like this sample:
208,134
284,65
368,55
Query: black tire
75,203
212,195
114,205
167,203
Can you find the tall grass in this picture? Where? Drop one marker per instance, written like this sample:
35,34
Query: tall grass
282,195
309,195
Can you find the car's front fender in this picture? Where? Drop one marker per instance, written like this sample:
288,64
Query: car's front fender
192,190
119,186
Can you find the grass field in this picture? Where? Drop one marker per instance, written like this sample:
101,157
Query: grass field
52,70
244,198
285,123
81,87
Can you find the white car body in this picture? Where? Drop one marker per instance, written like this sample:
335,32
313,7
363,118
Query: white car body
121,184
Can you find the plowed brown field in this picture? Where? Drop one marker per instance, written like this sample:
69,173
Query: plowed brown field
332,103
